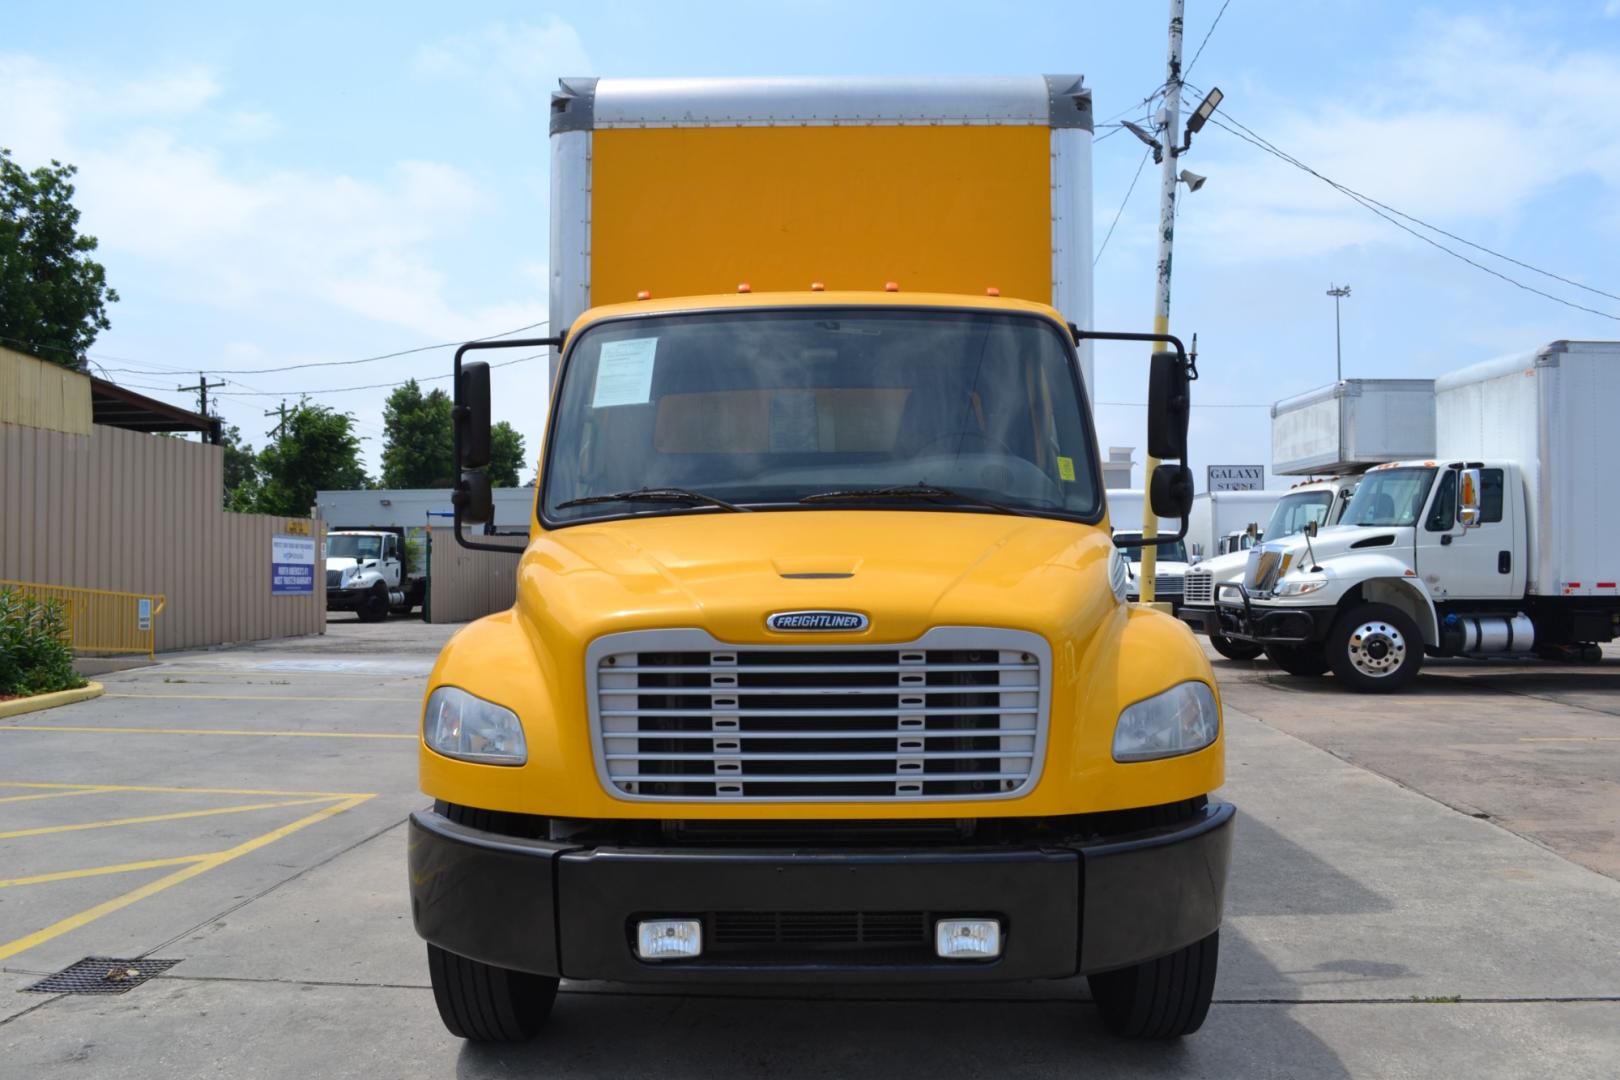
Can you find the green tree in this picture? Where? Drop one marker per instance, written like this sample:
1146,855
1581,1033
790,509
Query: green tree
241,471
53,296
505,455
316,450
417,448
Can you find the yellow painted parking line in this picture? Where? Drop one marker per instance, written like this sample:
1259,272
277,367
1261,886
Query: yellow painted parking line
1569,738
192,790
86,729
97,871
73,922
50,795
267,697
112,823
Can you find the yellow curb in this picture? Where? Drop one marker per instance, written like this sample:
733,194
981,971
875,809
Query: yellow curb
50,701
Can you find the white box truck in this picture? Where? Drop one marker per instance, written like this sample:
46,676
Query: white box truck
1222,522
1351,426
1503,542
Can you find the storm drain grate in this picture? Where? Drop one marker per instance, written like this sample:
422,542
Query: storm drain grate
101,975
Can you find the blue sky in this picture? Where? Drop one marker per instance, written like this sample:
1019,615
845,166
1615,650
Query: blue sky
327,182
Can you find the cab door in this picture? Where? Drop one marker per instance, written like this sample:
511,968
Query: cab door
391,561
1480,563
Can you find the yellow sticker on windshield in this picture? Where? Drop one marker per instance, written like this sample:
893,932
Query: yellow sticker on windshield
1066,468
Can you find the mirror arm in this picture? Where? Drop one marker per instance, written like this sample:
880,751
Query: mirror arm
459,411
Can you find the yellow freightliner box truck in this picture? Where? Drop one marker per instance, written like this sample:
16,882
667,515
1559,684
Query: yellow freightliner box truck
821,667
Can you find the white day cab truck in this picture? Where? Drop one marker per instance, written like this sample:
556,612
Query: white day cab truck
1341,431
368,572
821,668
1125,510
1503,543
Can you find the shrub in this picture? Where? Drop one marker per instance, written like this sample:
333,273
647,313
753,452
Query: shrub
35,657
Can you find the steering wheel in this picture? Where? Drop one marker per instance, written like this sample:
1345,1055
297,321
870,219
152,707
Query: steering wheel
971,434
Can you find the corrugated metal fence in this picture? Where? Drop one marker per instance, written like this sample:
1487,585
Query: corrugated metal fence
465,585
123,510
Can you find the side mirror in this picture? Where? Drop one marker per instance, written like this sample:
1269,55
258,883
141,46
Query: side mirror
473,499
1310,529
1169,408
472,415
1170,490
1468,498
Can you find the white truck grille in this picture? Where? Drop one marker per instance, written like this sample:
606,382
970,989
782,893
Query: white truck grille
1199,590
961,713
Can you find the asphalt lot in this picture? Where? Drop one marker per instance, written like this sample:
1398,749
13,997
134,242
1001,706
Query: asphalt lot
240,811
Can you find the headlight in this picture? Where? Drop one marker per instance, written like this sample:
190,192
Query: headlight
1180,720
459,725
1300,586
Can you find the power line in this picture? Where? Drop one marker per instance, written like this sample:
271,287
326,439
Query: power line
1139,167
1390,214
370,386
362,360
1200,50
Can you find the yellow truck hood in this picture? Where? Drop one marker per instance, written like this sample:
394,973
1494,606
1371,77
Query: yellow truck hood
908,571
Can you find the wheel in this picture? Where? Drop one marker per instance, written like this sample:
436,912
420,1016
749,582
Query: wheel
1303,660
1161,999
374,608
482,1003
1375,648
1233,649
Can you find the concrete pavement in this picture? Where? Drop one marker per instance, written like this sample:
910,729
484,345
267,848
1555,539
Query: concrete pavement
1371,930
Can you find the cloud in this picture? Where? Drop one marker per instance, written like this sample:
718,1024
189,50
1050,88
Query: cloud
236,236
1467,126
511,61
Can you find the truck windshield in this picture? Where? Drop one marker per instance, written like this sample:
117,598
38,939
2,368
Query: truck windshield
1169,550
1295,511
1389,497
763,409
339,546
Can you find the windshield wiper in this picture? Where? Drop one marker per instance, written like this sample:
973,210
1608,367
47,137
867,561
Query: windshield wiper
930,492
663,494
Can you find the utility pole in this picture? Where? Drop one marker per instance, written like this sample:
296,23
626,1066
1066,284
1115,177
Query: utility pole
1338,292
1170,127
281,411
202,388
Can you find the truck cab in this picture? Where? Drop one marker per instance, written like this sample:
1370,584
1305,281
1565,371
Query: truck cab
821,667
367,573
1316,502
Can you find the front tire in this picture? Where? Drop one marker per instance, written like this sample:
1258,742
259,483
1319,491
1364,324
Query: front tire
1233,649
1375,649
482,1003
1306,661
374,606
1161,999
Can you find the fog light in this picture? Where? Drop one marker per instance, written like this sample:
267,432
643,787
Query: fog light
669,939
967,939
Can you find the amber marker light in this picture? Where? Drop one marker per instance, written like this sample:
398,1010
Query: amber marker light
816,286
992,291
891,286
643,295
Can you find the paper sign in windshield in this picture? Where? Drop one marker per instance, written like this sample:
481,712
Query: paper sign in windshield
624,373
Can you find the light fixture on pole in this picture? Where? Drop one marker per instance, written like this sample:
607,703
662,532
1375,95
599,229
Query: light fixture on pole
1338,292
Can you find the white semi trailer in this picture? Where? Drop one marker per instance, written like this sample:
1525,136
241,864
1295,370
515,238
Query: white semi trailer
1503,542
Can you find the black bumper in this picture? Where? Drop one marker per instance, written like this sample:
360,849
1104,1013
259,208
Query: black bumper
1203,620
559,909
1269,626
341,600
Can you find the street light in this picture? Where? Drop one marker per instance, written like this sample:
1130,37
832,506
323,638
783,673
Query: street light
1338,292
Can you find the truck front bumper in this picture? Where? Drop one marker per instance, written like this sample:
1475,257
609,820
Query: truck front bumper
1265,625
344,599
556,908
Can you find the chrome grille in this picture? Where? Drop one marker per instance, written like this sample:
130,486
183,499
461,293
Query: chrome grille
1265,567
1199,589
1168,585
333,577
958,714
